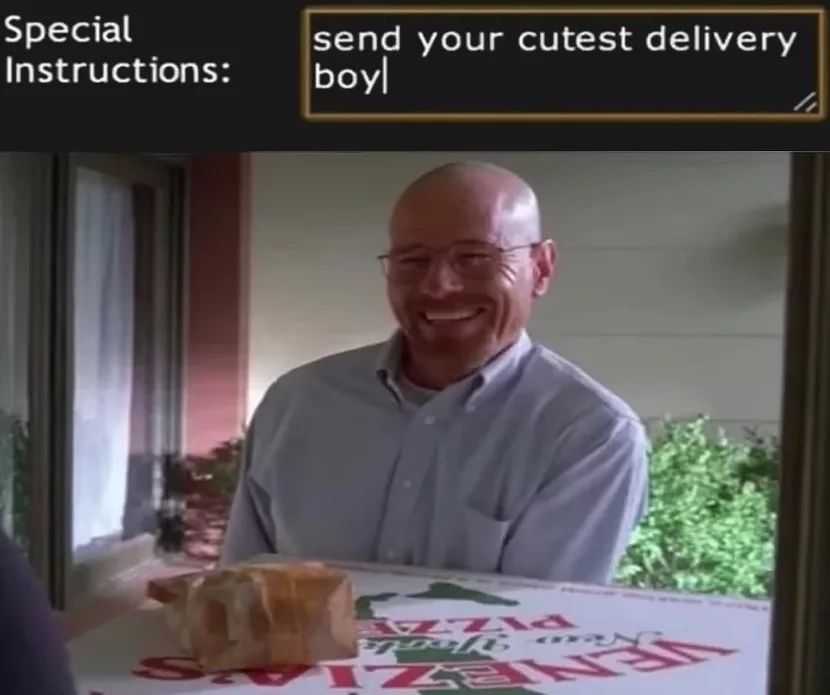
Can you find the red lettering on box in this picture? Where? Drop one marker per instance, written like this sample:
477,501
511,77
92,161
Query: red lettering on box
514,623
410,676
420,627
278,675
474,624
564,672
657,661
684,648
168,668
552,622
342,677
493,674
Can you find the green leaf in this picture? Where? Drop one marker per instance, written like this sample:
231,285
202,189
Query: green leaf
711,521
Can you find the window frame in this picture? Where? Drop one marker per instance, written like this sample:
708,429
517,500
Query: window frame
52,392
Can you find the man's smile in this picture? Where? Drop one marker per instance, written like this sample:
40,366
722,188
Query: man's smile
451,315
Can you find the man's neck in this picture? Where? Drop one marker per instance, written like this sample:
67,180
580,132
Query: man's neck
434,374
438,373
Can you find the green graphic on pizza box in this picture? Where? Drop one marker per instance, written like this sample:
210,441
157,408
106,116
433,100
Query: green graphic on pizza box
440,633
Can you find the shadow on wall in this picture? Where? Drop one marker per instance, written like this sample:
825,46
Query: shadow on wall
754,263
748,270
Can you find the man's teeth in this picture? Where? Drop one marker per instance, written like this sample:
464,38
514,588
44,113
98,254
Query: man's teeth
450,315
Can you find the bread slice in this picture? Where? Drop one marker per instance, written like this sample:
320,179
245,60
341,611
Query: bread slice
255,615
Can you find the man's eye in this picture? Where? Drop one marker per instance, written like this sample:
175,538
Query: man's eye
413,261
474,257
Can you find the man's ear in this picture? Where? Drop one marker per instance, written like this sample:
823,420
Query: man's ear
545,267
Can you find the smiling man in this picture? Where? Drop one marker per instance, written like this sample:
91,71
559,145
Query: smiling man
460,442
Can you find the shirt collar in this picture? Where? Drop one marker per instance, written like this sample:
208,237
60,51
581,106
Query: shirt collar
388,361
492,374
503,364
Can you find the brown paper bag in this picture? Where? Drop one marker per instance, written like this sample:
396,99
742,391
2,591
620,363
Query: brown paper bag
258,615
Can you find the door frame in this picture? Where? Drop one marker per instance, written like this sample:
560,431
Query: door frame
801,605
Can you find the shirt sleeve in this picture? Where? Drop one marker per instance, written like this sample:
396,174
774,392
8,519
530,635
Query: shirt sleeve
250,531
33,656
578,526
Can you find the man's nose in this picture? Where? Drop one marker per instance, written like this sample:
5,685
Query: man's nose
440,279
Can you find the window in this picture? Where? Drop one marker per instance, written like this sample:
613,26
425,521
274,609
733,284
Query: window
123,323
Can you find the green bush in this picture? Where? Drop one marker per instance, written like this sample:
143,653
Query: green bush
221,467
711,522
15,483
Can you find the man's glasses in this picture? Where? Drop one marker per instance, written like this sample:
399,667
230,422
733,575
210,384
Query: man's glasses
469,260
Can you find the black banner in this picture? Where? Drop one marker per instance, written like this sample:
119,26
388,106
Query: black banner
638,64
184,77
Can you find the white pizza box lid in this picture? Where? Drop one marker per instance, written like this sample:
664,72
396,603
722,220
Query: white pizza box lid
427,631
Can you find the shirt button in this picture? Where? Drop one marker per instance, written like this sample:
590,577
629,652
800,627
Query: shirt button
429,420
407,484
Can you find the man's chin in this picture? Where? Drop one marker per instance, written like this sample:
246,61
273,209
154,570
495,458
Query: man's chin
456,345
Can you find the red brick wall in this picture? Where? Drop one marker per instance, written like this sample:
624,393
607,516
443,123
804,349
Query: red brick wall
216,344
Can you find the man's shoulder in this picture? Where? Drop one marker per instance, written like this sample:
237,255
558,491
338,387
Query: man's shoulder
337,369
568,387
363,357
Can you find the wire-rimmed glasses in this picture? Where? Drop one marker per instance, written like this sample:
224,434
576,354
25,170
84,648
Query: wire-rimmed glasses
470,260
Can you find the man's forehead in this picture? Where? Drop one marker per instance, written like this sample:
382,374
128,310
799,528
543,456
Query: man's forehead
434,231
477,203
431,227
462,243
441,221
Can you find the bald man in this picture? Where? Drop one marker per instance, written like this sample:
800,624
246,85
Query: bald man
459,443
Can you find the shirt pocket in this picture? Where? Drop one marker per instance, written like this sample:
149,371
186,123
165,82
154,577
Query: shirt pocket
480,544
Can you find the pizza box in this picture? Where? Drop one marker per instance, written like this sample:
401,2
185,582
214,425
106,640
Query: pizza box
426,631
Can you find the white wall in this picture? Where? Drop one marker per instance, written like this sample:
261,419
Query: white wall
671,277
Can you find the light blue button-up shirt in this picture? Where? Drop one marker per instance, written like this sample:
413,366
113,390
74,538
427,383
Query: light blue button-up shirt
528,467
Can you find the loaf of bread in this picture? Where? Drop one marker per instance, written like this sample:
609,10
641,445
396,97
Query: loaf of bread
259,615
